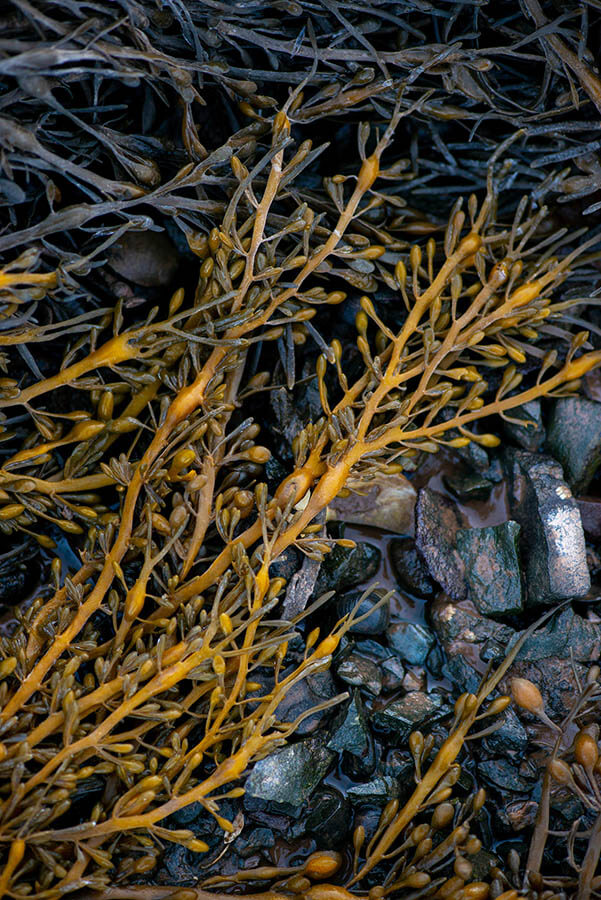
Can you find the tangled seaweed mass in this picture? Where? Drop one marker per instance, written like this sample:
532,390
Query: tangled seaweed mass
392,204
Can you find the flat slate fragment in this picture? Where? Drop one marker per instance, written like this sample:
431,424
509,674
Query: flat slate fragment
492,568
287,778
403,716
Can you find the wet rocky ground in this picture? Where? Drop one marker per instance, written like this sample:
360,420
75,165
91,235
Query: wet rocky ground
475,546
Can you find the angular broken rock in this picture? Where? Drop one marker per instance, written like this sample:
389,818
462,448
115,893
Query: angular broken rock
388,504
284,780
437,522
492,568
553,536
574,440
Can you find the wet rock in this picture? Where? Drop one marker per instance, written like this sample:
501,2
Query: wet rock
590,514
399,764
254,841
531,435
285,779
302,697
286,564
411,641
393,673
492,568
415,680
567,635
377,616
328,817
410,569
351,737
469,487
519,814
437,522
503,774
401,717
361,672
465,636
379,791
574,439
389,505
553,537
147,258
511,737
346,567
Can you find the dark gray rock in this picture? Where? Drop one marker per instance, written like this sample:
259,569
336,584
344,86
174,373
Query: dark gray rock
375,622
553,537
328,817
469,487
351,737
361,672
410,569
510,737
565,636
574,440
303,696
379,791
346,567
411,641
393,672
438,519
255,841
503,773
492,568
466,636
401,717
285,779
531,435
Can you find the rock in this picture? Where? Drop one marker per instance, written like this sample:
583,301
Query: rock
399,764
286,778
255,841
565,636
411,641
438,520
574,440
147,258
492,568
352,737
531,435
555,553
590,514
469,487
393,673
286,564
465,636
415,680
389,505
300,587
380,790
401,717
347,567
328,817
302,697
410,569
361,672
510,737
375,622
503,774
